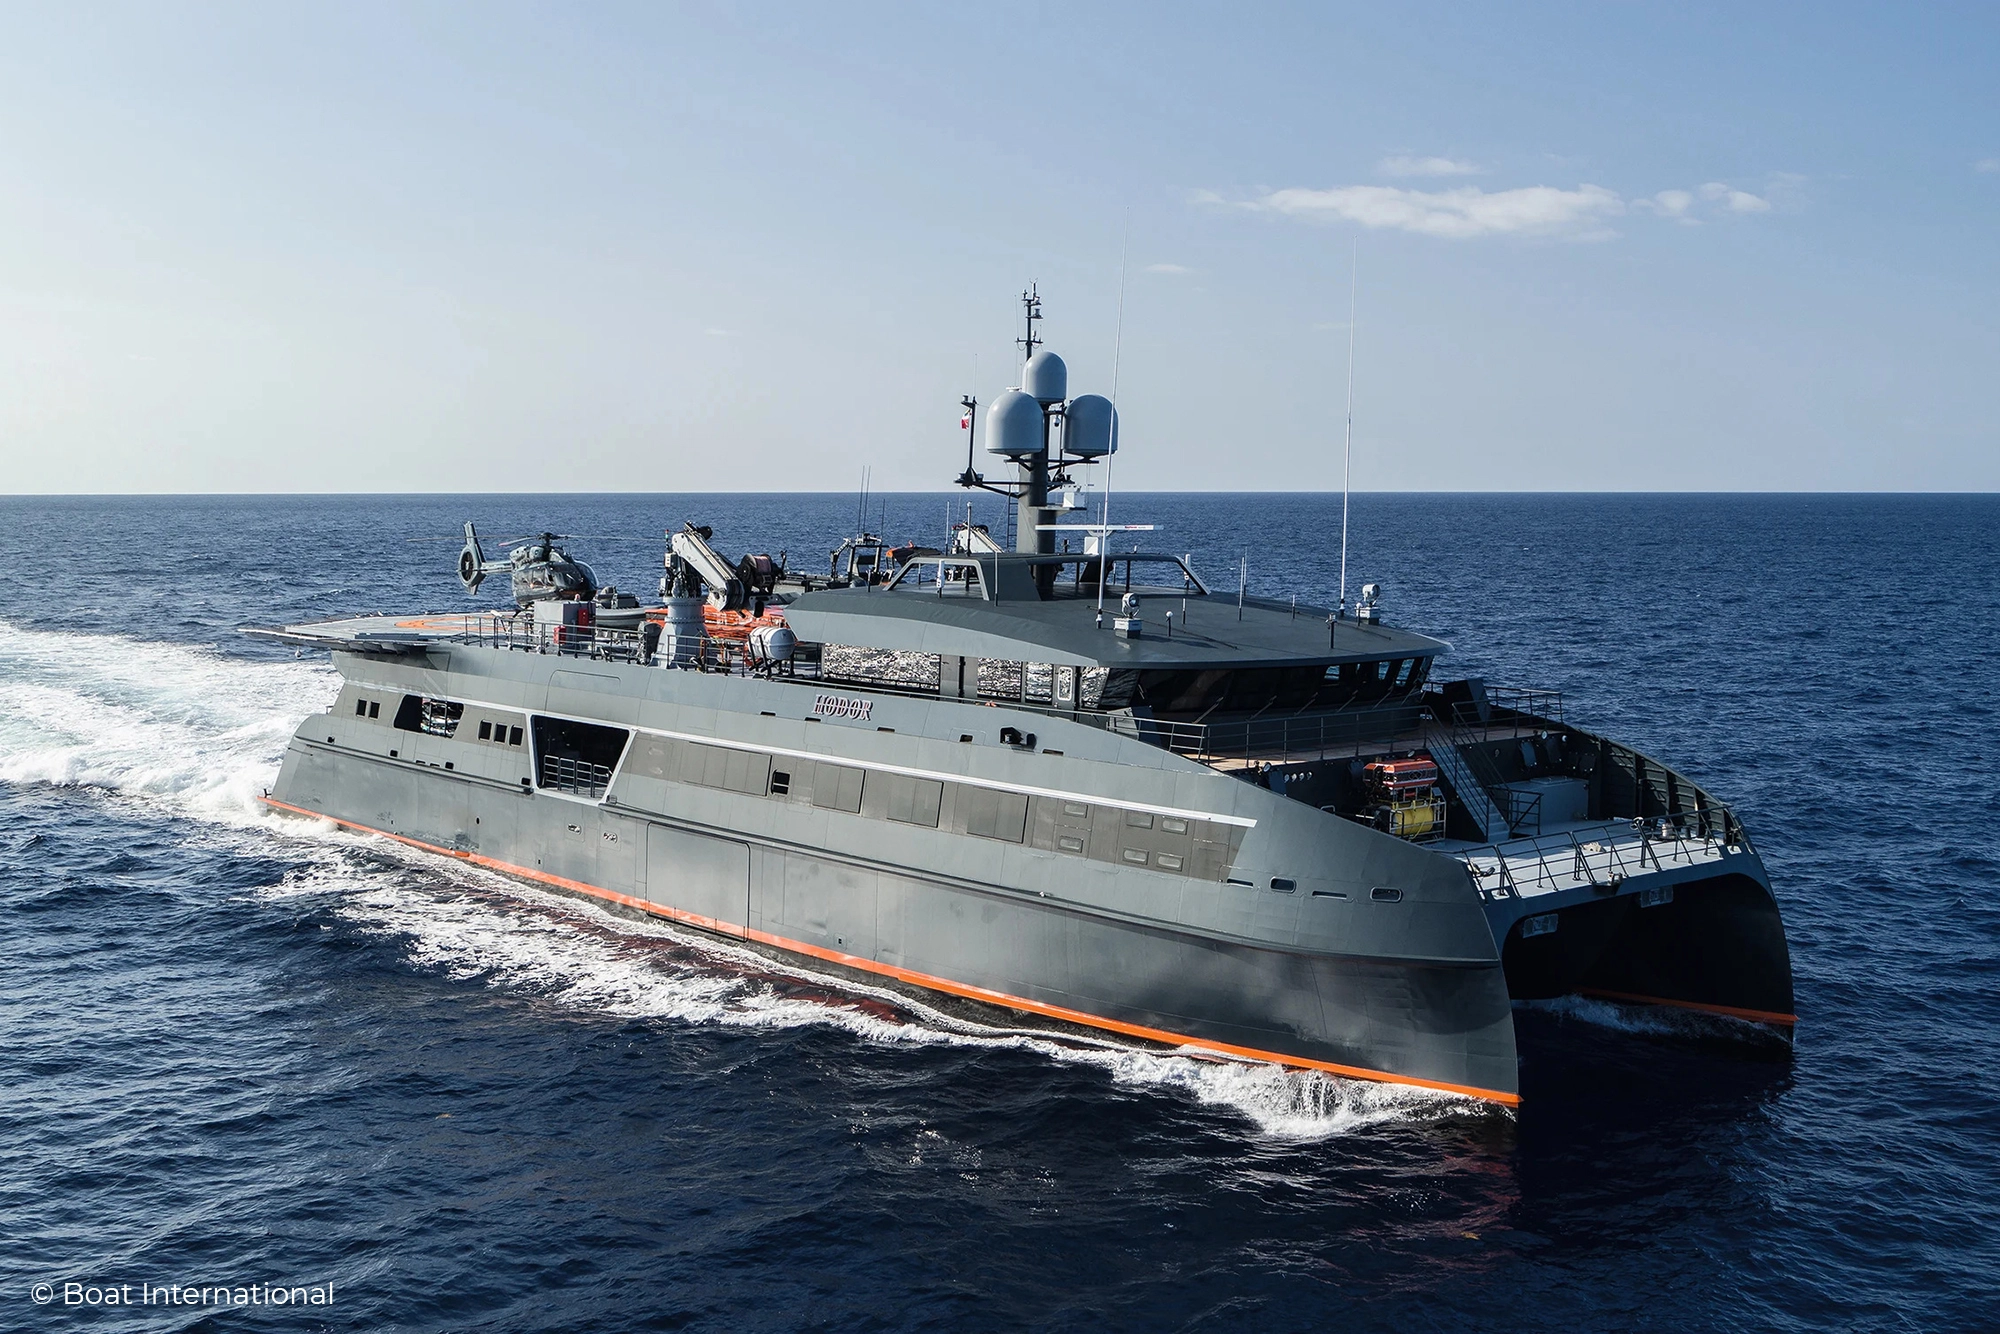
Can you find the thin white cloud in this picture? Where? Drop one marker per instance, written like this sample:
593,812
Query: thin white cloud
1736,201
1168,268
1468,211
1987,164
1676,204
1429,166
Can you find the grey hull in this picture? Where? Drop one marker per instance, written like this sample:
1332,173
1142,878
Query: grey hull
1274,935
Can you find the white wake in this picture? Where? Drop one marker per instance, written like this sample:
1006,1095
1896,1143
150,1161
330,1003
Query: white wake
189,728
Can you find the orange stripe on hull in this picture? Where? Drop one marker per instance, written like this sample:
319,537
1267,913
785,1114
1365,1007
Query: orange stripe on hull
924,980
1755,1016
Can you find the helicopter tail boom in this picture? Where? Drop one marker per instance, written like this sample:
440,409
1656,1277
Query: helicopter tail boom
473,567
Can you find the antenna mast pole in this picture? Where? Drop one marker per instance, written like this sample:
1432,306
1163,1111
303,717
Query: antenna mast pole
1117,353
1347,452
1031,504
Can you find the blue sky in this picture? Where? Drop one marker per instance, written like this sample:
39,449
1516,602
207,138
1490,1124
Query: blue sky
703,247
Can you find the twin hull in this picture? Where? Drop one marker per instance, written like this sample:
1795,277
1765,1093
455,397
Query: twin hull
1082,876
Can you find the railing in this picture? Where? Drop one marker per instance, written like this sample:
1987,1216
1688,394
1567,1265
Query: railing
1273,740
564,774
1524,700
525,635
1464,732
1608,856
1465,785
603,643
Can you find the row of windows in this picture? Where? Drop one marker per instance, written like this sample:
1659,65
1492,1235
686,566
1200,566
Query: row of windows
437,717
1142,838
1227,690
1135,838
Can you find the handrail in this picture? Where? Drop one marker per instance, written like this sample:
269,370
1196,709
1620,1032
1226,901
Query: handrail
1465,785
1464,741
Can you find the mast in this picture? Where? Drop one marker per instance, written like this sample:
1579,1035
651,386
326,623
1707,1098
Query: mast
1347,452
1031,508
1117,353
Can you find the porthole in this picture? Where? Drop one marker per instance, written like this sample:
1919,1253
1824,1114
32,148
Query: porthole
1385,894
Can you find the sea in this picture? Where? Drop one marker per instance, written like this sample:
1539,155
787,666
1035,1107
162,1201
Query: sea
377,1090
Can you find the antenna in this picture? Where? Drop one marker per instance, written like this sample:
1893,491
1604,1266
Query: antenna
1347,452
1031,304
1117,353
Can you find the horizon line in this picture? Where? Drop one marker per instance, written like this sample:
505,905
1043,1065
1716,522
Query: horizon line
401,495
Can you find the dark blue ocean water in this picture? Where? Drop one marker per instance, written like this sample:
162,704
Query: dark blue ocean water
242,1051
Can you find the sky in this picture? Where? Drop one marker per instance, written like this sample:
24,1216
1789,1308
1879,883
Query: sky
763,247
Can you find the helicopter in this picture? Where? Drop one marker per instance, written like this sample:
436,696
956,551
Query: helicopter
539,568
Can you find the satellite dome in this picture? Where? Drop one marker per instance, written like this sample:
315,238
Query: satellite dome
1090,427
1045,378
1014,425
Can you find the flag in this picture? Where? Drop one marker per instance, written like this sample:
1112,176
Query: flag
965,422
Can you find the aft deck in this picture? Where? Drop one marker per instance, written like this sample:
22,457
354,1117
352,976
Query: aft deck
1601,855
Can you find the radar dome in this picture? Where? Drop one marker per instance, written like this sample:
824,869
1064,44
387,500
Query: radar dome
1014,425
1045,378
1090,427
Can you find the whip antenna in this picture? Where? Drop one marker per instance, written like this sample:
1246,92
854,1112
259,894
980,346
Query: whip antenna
1117,351
1347,452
